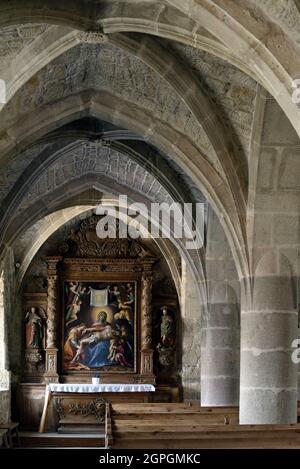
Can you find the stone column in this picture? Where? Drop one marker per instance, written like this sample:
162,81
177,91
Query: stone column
268,384
51,374
220,350
146,326
3,330
298,366
8,336
220,339
191,310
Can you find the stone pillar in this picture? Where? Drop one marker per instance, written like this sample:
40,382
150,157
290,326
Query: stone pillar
146,326
268,384
3,331
191,310
298,366
220,350
220,339
6,319
51,374
5,403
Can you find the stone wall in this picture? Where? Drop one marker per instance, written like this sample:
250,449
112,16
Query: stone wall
5,396
278,188
231,90
4,406
6,332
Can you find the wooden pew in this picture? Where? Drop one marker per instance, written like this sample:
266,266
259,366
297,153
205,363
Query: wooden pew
168,412
191,426
3,438
12,428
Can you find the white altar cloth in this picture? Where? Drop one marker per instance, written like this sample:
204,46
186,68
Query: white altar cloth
86,387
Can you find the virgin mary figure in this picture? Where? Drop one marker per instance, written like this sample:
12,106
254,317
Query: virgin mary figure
93,350
34,329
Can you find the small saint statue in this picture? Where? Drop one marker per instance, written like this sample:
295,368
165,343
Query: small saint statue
167,328
34,329
167,344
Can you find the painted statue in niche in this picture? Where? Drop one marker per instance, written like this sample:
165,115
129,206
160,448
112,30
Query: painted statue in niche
99,326
167,344
33,329
167,328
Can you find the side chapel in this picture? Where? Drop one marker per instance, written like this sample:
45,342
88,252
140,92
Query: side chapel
99,315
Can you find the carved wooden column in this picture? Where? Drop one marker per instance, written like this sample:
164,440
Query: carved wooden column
51,374
146,326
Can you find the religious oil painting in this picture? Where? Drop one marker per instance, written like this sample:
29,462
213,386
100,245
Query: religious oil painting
99,326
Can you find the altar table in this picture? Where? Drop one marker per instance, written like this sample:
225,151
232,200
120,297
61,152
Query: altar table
85,401
109,387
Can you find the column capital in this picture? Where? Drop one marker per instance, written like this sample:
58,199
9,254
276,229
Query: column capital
52,262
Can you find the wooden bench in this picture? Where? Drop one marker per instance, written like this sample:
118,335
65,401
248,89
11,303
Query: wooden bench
181,425
166,413
11,428
3,438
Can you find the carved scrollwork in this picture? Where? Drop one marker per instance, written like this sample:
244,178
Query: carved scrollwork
167,357
33,359
148,363
121,268
51,311
105,268
95,407
146,311
85,243
92,37
59,408
51,363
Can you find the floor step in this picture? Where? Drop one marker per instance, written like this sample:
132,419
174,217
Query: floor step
56,440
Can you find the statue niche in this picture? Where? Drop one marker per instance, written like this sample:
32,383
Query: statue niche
34,329
34,338
167,344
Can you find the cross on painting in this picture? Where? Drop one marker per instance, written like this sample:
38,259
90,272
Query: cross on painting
99,326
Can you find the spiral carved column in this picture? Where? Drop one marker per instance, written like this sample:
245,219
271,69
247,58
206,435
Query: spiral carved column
146,326
51,374
51,312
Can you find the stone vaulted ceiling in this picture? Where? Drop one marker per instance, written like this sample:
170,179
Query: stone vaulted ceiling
14,39
178,82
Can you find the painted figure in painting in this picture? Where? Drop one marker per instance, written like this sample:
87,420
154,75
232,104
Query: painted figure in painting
72,343
123,313
117,351
34,329
100,332
72,313
72,292
115,295
84,295
129,295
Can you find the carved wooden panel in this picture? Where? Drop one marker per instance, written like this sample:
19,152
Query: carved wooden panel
85,243
84,409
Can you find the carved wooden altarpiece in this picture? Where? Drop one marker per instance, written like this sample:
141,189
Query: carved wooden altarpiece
99,309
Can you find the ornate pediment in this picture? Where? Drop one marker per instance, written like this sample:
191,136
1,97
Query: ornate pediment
85,243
